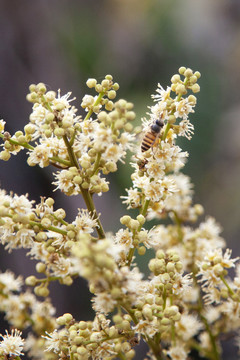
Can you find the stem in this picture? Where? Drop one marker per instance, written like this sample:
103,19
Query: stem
14,142
85,193
216,355
156,348
144,208
52,228
166,131
121,356
226,284
132,250
96,165
99,98
61,161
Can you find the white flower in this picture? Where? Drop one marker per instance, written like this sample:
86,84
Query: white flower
21,205
183,108
9,282
186,129
53,341
65,184
12,344
2,125
87,101
188,327
84,222
103,303
177,352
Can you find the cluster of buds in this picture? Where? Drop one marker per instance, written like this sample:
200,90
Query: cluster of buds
91,339
166,310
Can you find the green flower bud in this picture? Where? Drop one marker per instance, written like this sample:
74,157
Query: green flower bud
141,250
59,132
41,87
115,86
41,291
165,321
91,83
81,350
5,155
175,79
134,224
182,70
31,280
67,317
40,267
125,220
111,94
147,312
188,72
195,88
45,222
50,95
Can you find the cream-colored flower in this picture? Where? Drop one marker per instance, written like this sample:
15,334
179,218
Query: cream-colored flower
12,344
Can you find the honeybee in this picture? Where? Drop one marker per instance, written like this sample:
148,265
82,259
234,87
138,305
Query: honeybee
141,164
152,135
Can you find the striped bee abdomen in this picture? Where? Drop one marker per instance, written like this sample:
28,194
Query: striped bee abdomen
151,136
148,140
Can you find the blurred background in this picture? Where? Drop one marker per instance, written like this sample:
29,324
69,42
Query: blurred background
63,43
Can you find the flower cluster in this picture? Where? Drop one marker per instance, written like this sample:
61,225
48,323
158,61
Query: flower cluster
187,301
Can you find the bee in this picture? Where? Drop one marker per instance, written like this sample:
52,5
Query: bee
152,135
141,164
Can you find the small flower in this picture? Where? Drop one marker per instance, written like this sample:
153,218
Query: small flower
2,125
53,341
84,222
9,283
183,108
186,129
177,352
87,102
12,344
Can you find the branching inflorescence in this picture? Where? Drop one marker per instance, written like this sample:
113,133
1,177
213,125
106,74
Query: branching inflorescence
187,302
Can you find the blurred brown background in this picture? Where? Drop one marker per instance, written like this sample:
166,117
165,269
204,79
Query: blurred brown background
140,43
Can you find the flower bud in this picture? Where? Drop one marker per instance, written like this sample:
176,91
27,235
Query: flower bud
91,83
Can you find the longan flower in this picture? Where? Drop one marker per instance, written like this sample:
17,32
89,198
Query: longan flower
40,155
188,327
84,222
183,108
103,303
8,282
161,94
12,344
177,352
2,125
65,184
54,341
186,129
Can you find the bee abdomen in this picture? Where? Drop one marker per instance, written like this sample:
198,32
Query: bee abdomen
148,141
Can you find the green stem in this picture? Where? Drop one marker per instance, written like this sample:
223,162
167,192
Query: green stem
97,162
216,355
97,102
85,193
227,286
166,131
132,250
52,228
121,356
156,348
60,161
14,142
144,208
